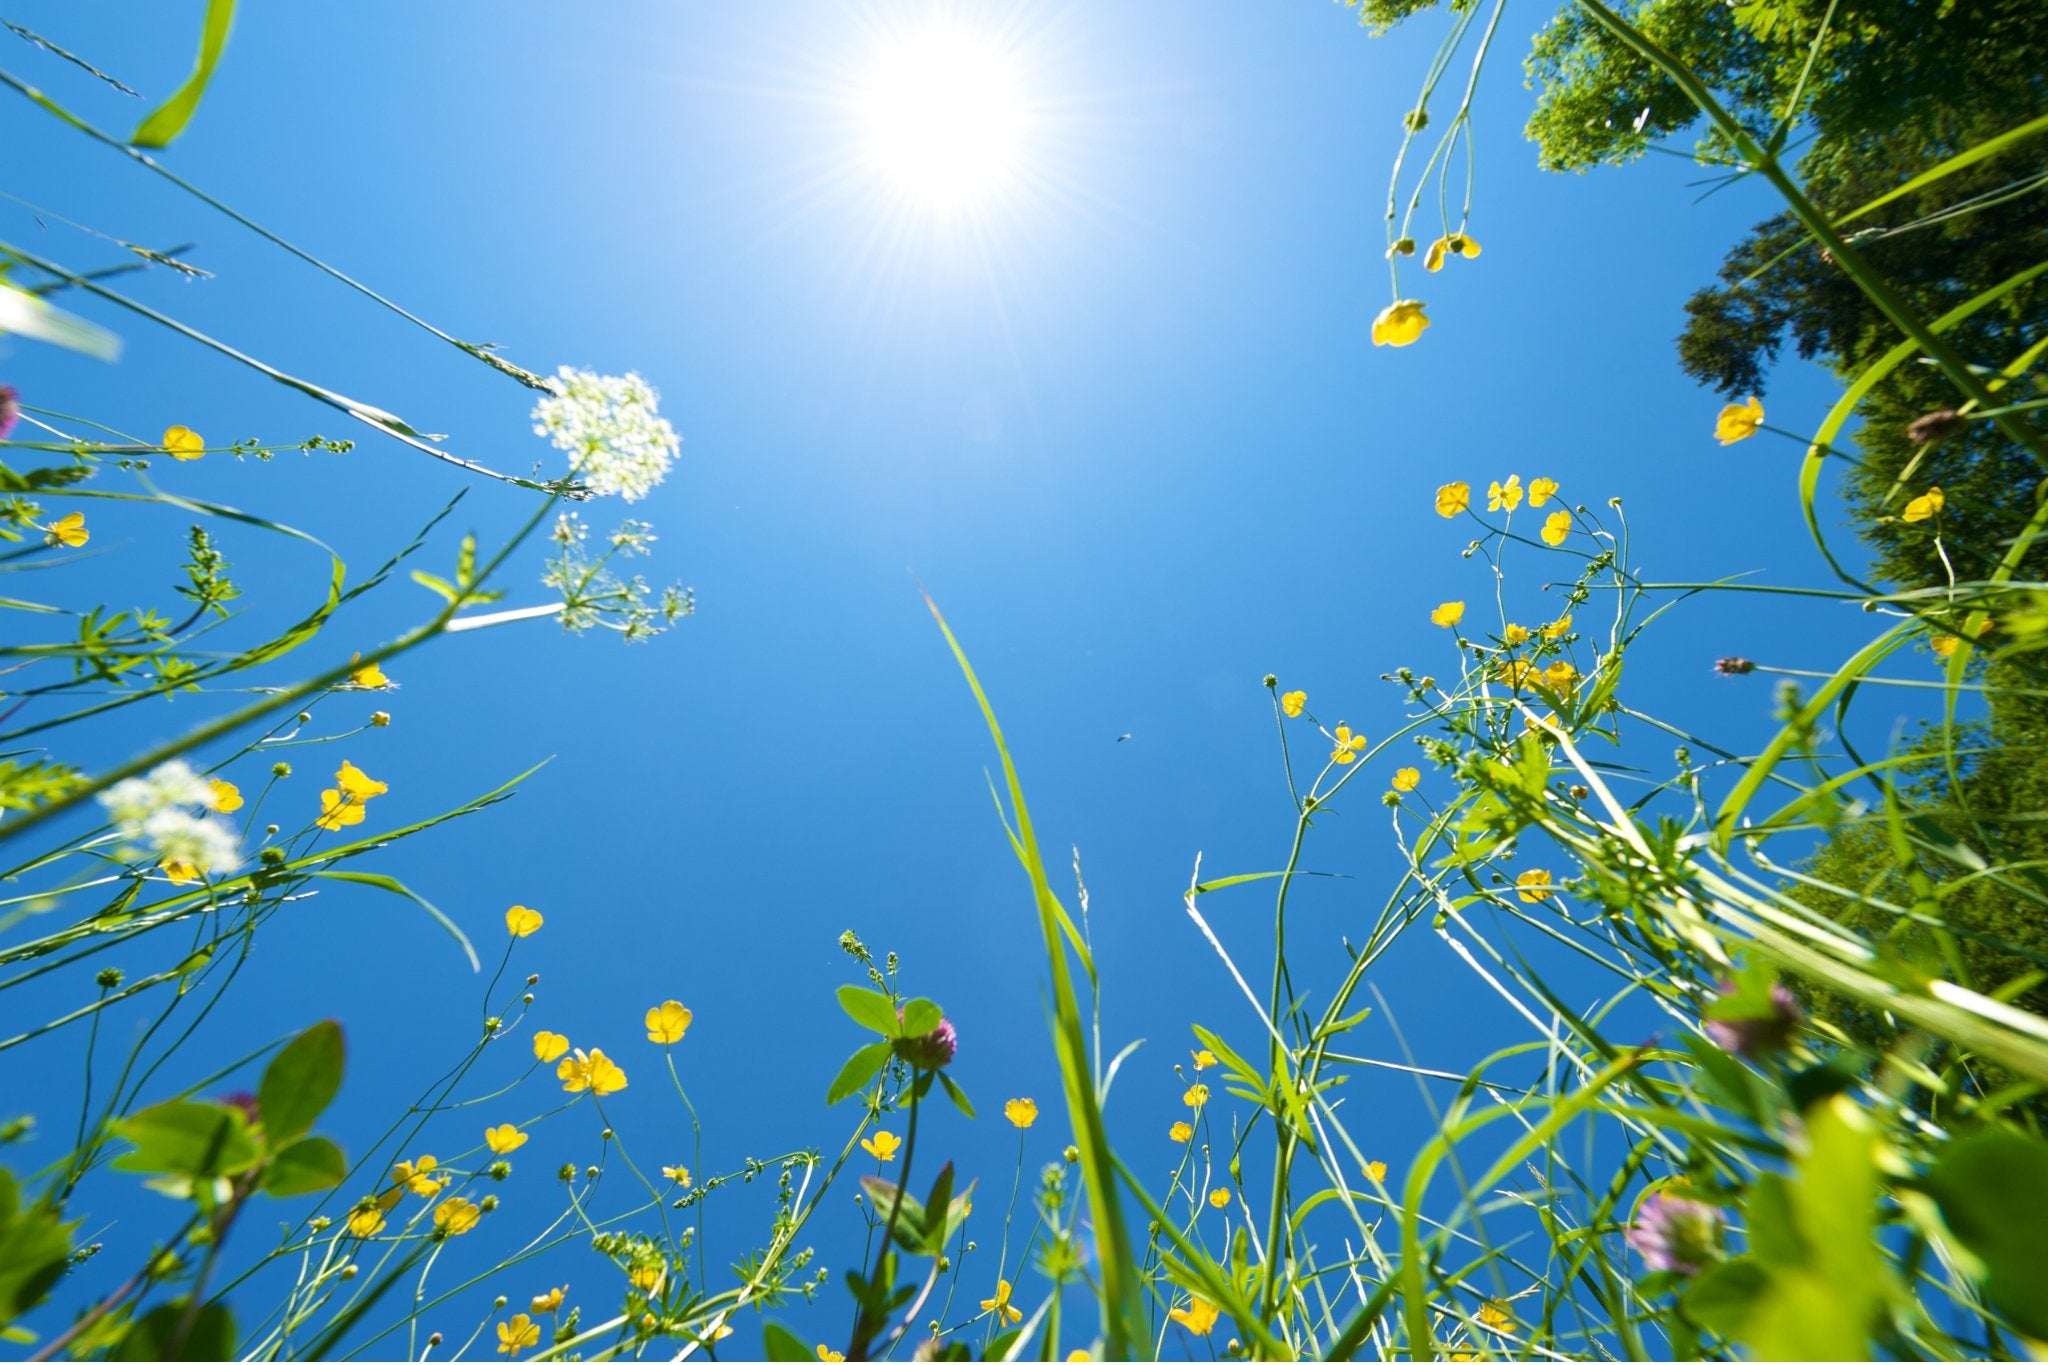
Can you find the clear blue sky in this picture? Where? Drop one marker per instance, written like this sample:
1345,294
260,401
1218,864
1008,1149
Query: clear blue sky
1131,434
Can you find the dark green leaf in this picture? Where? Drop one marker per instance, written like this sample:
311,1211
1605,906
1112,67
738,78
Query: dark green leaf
173,114
869,1009
300,1082
956,1094
1993,1191
935,1203
779,1343
860,1068
311,1163
34,1249
920,1016
174,1332
1722,1298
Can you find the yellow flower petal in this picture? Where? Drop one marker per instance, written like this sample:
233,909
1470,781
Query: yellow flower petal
1541,491
1196,1096
1447,614
882,1146
520,921
1407,779
1292,703
1399,324
1556,527
1738,421
1180,1132
455,1215
69,531
225,796
549,1046
355,782
1198,1317
1533,885
668,1022
1219,1199
1022,1113
1453,498
504,1138
1924,506
183,443
369,675
1504,496
1433,259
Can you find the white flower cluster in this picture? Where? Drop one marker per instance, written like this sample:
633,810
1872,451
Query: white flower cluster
608,426
149,810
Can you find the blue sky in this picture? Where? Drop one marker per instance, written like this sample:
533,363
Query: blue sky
1130,432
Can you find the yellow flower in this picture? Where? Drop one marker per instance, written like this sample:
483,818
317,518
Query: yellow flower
337,810
1198,1317
827,1355
1078,1354
417,1176
1461,243
1022,1113
1196,1097
520,921
355,782
369,675
1399,324
1515,635
225,796
504,1138
1219,1199
180,871
69,531
548,1046
1942,645
1556,527
1495,1313
1348,745
1541,491
597,1073
1453,498
1738,421
1180,1132
1514,672
1407,779
1924,506
667,1022
1000,1305
882,1146
679,1174
1292,703
1533,885
1204,1059
1377,1170
550,1301
183,443
455,1215
1433,258
365,1221
1560,676
645,1278
1557,629
1504,496
518,1334
1447,614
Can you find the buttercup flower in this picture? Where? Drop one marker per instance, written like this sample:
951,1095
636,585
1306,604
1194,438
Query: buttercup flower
1680,1235
1533,885
1180,1132
1541,491
517,1335
882,1146
179,872
1022,1113
417,1176
1291,703
369,675
679,1174
365,1221
548,1046
1196,1096
1514,672
345,804
1495,1313
69,531
1557,629
1204,1059
1556,527
1001,1307
597,1073
827,1355
1944,645
1219,1198
1198,1317
1447,615
645,1278
504,1138
1738,421
223,795
668,1022
1453,498
1560,676
455,1215
1376,1171
1407,779
183,443
550,1301
609,427
1399,324
1924,506
520,921
1348,745
1514,635
1504,496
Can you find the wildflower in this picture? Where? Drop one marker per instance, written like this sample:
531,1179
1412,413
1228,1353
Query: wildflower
358,784
520,921
1556,527
1404,247
1196,1096
1926,429
131,802
179,872
183,443
347,803
550,1301
1453,498
69,531
1738,421
1733,667
1681,1235
1180,1132
1557,629
667,1022
1291,703
1504,496
178,836
1198,1317
380,719
1400,323
1204,1059
1560,676
548,1046
504,1138
1348,745
1495,1314
679,1174
1515,635
417,1176
365,1221
1000,1305
1533,885
10,410
609,427
882,1146
369,675
1763,1029
597,1073
223,795
932,1051
1514,672
1944,645
1447,614
1219,1199
828,1355
1407,779
1924,506
1021,1113
517,1335
645,1278
455,1215
1376,1171
1541,491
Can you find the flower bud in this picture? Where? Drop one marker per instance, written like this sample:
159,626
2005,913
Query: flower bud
380,719
280,770
109,978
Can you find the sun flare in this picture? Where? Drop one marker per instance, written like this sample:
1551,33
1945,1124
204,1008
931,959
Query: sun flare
944,116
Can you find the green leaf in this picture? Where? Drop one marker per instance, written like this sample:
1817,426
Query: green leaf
173,114
1723,1296
882,1196
921,1016
934,1225
870,1009
398,888
165,1334
24,314
300,1082
779,1343
187,1138
311,1163
860,1068
439,585
35,1247
1992,1188
956,1094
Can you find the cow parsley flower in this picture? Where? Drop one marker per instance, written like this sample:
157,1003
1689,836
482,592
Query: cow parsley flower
130,803
608,426
152,811
177,836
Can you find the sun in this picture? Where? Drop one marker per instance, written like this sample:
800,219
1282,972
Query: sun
944,116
